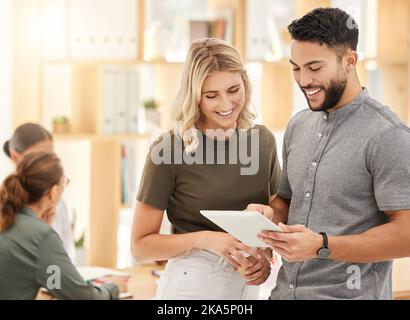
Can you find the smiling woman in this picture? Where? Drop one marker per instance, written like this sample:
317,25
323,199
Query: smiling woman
218,96
203,260
222,100
5,79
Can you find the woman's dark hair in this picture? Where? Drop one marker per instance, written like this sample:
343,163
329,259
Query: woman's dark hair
330,26
26,136
35,175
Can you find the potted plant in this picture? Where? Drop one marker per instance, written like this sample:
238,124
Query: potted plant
80,256
152,114
61,125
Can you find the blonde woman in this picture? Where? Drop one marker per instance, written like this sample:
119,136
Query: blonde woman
195,168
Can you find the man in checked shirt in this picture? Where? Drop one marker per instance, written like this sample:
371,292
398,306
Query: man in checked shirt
344,195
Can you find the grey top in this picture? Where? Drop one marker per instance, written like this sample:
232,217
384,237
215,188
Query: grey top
32,256
341,171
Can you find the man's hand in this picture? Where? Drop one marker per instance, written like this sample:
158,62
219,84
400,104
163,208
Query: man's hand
295,243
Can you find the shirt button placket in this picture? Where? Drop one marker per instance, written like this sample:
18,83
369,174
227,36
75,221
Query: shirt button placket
291,292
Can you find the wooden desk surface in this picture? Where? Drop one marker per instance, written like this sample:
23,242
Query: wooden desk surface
142,284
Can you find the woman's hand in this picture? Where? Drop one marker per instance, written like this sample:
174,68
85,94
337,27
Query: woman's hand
120,281
267,211
225,245
260,268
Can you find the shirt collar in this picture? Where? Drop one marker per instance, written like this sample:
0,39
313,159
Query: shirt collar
29,212
350,107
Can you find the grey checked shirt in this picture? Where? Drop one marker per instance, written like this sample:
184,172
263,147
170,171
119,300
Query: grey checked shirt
342,170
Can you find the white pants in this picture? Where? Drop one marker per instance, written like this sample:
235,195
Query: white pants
202,275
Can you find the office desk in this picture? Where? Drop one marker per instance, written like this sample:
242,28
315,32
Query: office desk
142,284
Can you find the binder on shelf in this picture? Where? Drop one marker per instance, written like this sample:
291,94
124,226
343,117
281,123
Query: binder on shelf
107,33
108,100
121,102
198,29
220,29
224,16
208,29
133,101
267,37
117,96
124,22
123,91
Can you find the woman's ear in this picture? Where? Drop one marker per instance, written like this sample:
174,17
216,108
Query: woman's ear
54,194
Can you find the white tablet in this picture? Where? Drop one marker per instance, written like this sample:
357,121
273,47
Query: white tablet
243,225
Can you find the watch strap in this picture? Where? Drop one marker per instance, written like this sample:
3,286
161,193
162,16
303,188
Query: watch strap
325,240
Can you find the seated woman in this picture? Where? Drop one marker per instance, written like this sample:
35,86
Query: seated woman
32,137
32,254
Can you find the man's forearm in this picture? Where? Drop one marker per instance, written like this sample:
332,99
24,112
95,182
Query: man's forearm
384,242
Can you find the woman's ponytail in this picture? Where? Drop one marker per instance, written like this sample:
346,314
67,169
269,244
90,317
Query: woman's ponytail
13,197
35,175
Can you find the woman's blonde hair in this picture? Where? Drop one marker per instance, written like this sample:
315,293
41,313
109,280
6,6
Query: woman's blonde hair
205,57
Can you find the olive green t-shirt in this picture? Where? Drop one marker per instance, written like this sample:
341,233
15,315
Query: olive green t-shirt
225,175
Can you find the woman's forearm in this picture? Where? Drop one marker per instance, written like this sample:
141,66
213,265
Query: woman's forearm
164,247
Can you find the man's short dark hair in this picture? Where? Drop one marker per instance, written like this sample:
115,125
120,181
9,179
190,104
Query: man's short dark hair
330,26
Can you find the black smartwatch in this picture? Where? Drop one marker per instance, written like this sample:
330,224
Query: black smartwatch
324,251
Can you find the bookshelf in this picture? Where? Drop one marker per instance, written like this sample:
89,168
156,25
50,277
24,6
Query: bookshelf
79,59
394,54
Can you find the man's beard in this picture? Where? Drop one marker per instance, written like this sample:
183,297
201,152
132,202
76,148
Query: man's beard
332,94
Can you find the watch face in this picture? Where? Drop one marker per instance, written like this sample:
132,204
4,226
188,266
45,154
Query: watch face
323,253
